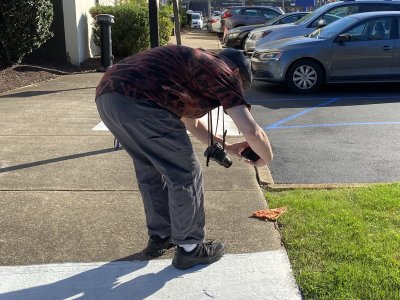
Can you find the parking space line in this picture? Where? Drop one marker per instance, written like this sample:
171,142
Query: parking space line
303,112
229,125
254,101
334,125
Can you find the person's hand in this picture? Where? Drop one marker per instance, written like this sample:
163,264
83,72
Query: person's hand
236,149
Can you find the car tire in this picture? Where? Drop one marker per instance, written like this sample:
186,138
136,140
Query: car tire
243,41
304,76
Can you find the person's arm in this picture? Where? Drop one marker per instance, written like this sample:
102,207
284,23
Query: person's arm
199,130
252,132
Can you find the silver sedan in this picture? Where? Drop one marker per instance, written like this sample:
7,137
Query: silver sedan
358,48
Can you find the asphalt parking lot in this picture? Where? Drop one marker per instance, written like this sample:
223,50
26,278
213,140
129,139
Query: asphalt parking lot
342,134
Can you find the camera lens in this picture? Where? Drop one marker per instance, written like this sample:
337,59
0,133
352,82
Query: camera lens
226,162
217,153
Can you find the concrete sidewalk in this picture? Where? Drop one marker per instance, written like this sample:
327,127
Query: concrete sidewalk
71,218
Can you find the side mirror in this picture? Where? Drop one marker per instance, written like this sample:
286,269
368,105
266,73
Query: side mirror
321,23
344,37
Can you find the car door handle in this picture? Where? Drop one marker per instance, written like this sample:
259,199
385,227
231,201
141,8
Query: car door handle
386,48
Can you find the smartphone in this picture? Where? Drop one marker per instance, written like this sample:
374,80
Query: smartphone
249,154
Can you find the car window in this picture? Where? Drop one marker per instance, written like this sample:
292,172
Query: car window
376,29
195,16
236,11
358,33
288,19
273,21
268,13
337,13
309,16
250,12
334,29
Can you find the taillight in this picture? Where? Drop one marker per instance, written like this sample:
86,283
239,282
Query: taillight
226,14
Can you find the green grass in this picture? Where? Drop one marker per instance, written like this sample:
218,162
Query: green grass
343,243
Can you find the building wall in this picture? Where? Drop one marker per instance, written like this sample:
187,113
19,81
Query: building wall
107,2
78,25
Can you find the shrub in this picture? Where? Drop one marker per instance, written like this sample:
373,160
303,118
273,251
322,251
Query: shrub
165,23
25,26
130,34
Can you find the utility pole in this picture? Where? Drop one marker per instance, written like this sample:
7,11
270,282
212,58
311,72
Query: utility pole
177,22
153,22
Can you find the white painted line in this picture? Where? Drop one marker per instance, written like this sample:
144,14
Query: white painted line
100,127
230,126
264,275
360,98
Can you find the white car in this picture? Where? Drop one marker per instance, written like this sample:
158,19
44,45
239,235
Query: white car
197,21
214,24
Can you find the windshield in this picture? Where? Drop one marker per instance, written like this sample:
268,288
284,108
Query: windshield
195,16
333,29
311,15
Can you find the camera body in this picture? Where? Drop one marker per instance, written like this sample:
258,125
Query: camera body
217,153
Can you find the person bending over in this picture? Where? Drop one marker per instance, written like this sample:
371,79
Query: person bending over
149,101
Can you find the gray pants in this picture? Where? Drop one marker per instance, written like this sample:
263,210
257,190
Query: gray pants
167,169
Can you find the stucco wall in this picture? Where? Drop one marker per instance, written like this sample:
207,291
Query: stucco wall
78,29
108,2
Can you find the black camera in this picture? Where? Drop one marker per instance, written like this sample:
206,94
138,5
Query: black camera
217,153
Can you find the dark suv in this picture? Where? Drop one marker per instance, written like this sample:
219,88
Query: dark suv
248,15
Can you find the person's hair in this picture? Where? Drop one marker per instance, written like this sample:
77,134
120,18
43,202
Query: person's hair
238,58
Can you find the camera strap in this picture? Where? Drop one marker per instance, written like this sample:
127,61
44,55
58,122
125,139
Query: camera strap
211,135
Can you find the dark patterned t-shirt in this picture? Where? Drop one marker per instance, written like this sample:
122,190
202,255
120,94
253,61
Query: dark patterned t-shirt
188,82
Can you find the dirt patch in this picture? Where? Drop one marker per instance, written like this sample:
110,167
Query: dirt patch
37,70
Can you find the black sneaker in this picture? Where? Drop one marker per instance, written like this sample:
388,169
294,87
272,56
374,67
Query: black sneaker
205,253
157,246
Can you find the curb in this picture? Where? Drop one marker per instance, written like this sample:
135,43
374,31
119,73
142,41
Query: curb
315,186
263,176
265,180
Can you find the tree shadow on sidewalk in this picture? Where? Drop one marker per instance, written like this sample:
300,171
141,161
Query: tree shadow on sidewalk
28,94
56,159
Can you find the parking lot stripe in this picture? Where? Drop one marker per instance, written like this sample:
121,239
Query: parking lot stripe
335,124
355,98
229,125
303,112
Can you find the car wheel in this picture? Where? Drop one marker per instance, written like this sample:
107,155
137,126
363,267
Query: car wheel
304,76
243,41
